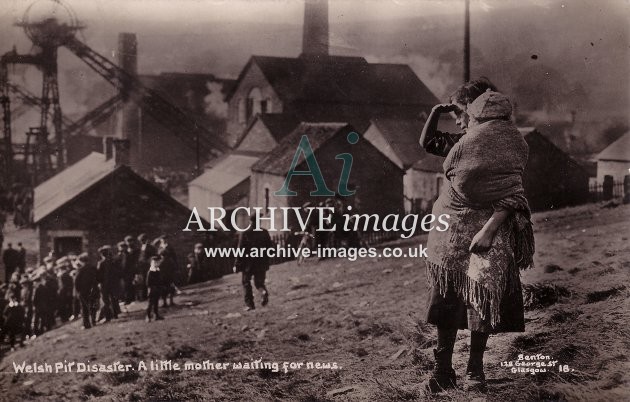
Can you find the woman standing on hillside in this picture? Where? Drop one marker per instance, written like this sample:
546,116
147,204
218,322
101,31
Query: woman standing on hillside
474,265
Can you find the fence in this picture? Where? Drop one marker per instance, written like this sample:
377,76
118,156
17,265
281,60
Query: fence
373,238
608,190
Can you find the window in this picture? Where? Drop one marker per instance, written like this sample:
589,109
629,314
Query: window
241,110
266,106
249,107
254,100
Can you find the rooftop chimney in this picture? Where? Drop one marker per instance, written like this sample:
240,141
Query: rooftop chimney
122,148
108,147
315,34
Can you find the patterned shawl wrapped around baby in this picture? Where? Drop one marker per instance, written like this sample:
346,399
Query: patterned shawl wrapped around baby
484,170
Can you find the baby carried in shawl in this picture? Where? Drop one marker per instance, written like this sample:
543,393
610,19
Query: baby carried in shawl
484,171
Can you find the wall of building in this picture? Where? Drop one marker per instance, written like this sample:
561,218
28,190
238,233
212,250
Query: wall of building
258,139
237,195
260,182
152,145
79,146
376,138
160,147
421,189
202,198
254,78
378,182
552,179
618,170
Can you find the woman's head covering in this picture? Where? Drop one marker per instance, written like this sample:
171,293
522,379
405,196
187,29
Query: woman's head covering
490,105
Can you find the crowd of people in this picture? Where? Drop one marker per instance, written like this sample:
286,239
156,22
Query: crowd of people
18,201
64,288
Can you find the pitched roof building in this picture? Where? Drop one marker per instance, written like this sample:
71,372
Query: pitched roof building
398,140
324,87
378,182
266,131
225,184
277,100
279,159
552,178
614,160
99,200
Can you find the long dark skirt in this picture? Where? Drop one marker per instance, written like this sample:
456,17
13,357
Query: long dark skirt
451,311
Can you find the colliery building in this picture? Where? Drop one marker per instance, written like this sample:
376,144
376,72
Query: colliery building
261,115
199,96
277,100
99,200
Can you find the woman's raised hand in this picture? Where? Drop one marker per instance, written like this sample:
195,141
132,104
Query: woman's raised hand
445,108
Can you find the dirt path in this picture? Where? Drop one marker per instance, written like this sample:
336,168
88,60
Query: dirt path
364,316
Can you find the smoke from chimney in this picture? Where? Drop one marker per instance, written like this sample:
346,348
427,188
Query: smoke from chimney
315,33
215,105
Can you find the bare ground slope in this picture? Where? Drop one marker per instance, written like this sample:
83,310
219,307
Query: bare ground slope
366,316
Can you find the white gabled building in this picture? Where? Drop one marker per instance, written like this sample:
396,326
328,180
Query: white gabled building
614,160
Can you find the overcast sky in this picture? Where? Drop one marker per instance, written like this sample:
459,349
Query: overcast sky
586,41
285,11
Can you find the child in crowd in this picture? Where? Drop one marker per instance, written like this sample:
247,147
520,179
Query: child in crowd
154,287
14,320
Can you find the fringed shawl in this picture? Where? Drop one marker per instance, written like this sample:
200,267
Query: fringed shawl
484,171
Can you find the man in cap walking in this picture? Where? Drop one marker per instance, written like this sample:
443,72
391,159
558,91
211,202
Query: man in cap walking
254,267
107,278
85,284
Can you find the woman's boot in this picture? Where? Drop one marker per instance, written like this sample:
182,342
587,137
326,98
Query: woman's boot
475,377
443,376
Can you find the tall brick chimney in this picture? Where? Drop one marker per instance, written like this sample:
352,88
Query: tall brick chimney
315,33
127,57
129,115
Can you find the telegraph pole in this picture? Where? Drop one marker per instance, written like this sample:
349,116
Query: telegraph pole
467,42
